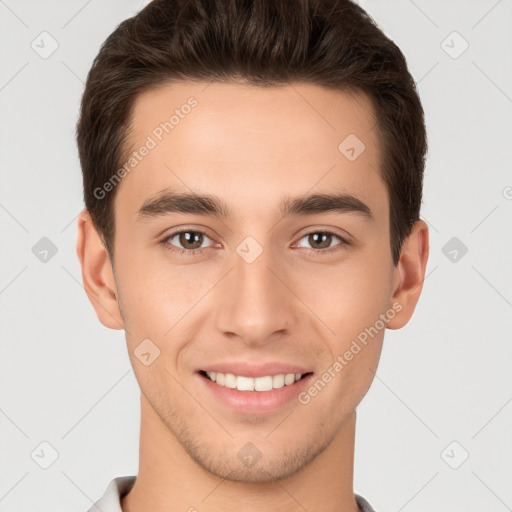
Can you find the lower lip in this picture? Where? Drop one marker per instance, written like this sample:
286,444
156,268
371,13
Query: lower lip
256,402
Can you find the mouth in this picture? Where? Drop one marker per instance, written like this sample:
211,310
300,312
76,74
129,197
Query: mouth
264,383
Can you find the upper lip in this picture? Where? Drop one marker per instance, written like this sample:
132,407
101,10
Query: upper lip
245,369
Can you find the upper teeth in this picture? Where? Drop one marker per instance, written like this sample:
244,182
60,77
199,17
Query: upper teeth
265,383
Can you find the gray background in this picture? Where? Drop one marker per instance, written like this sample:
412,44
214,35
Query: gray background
443,390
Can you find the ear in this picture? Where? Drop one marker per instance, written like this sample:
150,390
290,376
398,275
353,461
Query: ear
409,275
97,273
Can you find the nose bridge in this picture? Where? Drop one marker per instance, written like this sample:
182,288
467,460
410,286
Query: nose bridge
253,302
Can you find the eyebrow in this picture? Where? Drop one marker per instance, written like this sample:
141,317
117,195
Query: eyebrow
169,201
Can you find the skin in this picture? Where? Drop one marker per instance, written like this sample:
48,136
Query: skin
251,146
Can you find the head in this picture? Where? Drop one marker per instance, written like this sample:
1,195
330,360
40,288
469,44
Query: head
288,125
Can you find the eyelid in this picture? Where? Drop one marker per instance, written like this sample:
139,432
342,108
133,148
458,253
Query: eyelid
341,233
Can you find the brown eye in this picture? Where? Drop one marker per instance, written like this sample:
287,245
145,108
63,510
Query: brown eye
190,239
321,241
186,240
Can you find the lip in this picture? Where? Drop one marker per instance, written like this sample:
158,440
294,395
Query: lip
255,402
244,369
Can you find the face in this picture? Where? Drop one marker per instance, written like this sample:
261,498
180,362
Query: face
258,279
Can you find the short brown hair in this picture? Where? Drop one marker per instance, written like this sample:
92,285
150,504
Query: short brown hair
332,43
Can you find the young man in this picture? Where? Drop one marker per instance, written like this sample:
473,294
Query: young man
252,180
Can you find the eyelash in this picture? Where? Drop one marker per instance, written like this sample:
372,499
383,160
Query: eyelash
197,252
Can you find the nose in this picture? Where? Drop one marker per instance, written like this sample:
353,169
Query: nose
255,302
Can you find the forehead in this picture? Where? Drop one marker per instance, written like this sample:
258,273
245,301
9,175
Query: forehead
251,143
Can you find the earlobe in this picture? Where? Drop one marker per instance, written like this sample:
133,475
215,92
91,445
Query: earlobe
409,274
97,273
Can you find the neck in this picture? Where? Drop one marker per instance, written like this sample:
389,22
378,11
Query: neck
170,480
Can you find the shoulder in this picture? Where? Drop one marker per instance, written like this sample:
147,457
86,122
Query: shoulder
111,499
363,504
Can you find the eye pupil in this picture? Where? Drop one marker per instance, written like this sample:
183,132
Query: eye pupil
314,239
191,237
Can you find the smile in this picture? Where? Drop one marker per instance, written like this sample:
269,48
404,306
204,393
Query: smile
264,383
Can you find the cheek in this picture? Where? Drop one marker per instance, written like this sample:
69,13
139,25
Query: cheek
156,296
348,297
